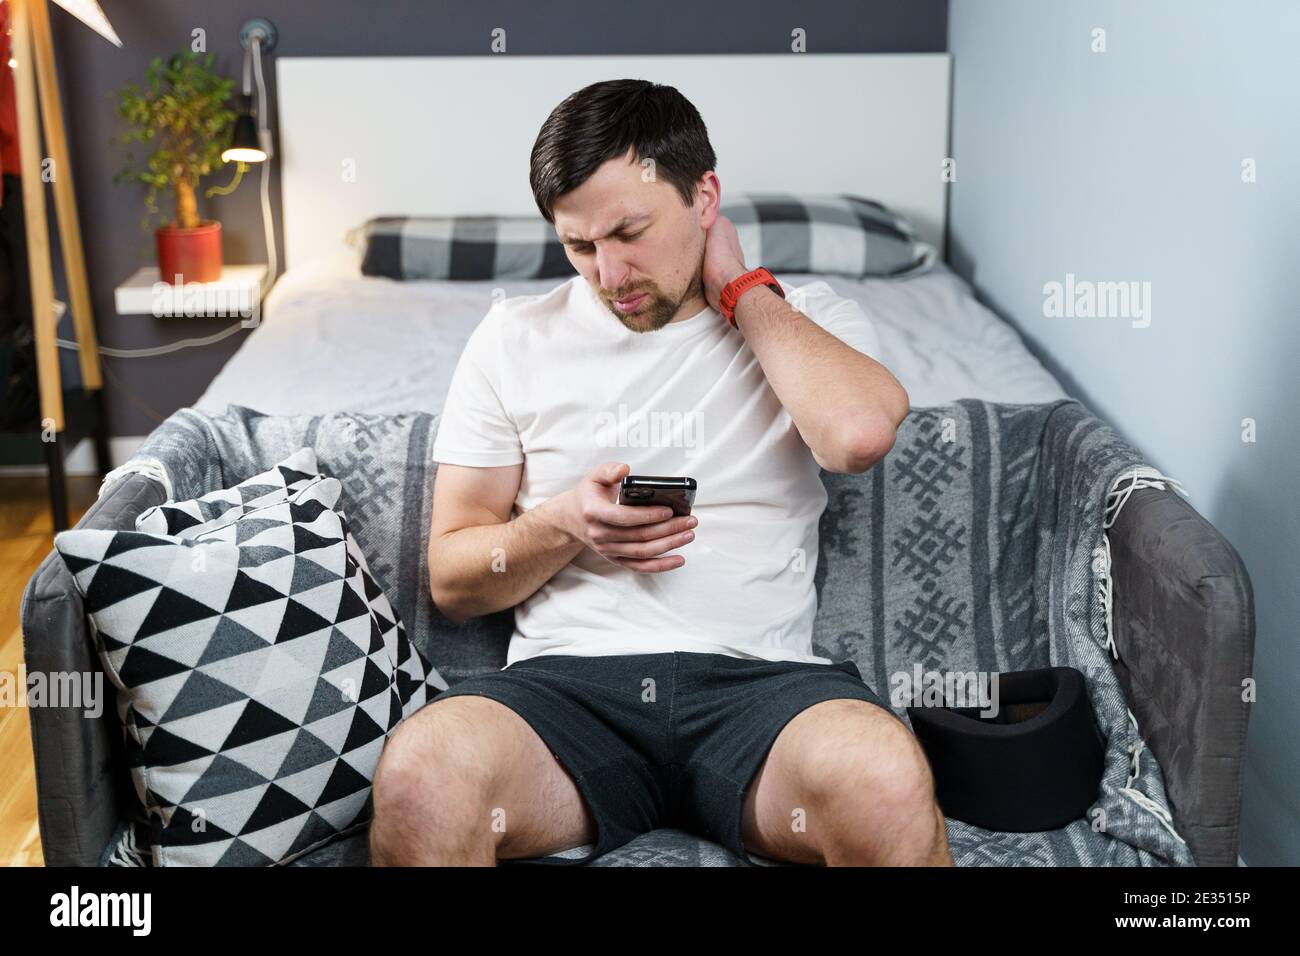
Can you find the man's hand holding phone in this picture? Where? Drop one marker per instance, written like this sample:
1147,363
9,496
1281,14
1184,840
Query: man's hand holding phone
636,537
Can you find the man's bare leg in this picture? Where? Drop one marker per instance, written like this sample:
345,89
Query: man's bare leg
845,783
466,781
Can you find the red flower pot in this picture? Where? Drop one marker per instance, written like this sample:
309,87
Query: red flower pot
192,254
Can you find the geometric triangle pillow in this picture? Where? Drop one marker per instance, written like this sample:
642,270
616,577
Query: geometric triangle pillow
254,685
275,484
418,681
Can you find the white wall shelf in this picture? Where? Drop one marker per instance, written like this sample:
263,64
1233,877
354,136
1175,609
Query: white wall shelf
237,292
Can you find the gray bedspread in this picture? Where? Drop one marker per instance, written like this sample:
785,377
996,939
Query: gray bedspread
976,546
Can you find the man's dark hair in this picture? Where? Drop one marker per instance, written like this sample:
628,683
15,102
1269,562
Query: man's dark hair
602,121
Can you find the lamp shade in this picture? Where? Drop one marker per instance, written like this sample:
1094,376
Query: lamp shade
244,145
89,13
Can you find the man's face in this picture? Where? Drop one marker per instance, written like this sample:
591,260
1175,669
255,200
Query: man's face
634,241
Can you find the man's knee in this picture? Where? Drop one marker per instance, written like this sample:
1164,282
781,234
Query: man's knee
868,780
868,758
432,779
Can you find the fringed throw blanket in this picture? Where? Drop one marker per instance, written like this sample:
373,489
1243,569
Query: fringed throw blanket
978,545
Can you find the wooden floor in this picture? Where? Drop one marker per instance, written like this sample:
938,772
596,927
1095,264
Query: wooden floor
25,538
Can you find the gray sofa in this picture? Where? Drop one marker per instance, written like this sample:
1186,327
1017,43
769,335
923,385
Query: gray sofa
1183,630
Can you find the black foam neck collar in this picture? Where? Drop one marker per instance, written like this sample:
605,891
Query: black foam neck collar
1034,765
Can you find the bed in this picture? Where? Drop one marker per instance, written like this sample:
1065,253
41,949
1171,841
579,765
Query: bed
351,336
368,344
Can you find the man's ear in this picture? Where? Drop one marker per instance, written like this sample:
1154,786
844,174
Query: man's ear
708,195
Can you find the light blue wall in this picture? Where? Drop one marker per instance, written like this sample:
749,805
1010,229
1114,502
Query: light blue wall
1126,165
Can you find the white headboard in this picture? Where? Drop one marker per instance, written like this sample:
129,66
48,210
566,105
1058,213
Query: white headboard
368,136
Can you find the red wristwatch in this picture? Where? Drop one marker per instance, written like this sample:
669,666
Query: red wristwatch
738,286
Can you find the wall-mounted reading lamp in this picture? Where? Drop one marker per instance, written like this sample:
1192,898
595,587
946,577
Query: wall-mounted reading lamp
251,142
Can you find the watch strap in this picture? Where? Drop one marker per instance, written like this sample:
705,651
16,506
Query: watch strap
738,286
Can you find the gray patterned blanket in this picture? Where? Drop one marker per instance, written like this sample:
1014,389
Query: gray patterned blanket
976,547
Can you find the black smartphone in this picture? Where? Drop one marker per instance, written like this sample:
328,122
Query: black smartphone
676,493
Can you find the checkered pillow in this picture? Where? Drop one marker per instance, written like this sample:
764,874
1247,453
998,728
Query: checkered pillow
418,681
832,235
253,680
462,247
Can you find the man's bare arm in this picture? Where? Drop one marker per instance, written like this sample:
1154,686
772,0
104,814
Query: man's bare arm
846,405
481,560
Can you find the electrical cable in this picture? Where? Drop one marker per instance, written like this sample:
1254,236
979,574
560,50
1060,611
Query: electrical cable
157,349
264,136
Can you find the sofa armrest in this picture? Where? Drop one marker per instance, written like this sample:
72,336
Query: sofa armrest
1184,629
82,784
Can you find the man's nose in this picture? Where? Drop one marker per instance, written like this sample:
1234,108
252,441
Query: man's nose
612,269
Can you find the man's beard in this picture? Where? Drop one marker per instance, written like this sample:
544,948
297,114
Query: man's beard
658,309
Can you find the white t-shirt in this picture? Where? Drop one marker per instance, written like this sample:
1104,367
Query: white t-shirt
557,382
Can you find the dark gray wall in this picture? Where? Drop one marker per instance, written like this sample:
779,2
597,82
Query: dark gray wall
141,391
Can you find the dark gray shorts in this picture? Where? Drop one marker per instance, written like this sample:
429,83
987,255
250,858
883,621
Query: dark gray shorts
662,740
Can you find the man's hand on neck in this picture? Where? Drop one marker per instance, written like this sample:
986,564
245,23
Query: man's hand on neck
724,260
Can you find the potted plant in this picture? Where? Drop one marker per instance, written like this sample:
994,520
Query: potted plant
182,117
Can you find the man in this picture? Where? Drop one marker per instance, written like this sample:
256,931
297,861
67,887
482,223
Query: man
655,678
